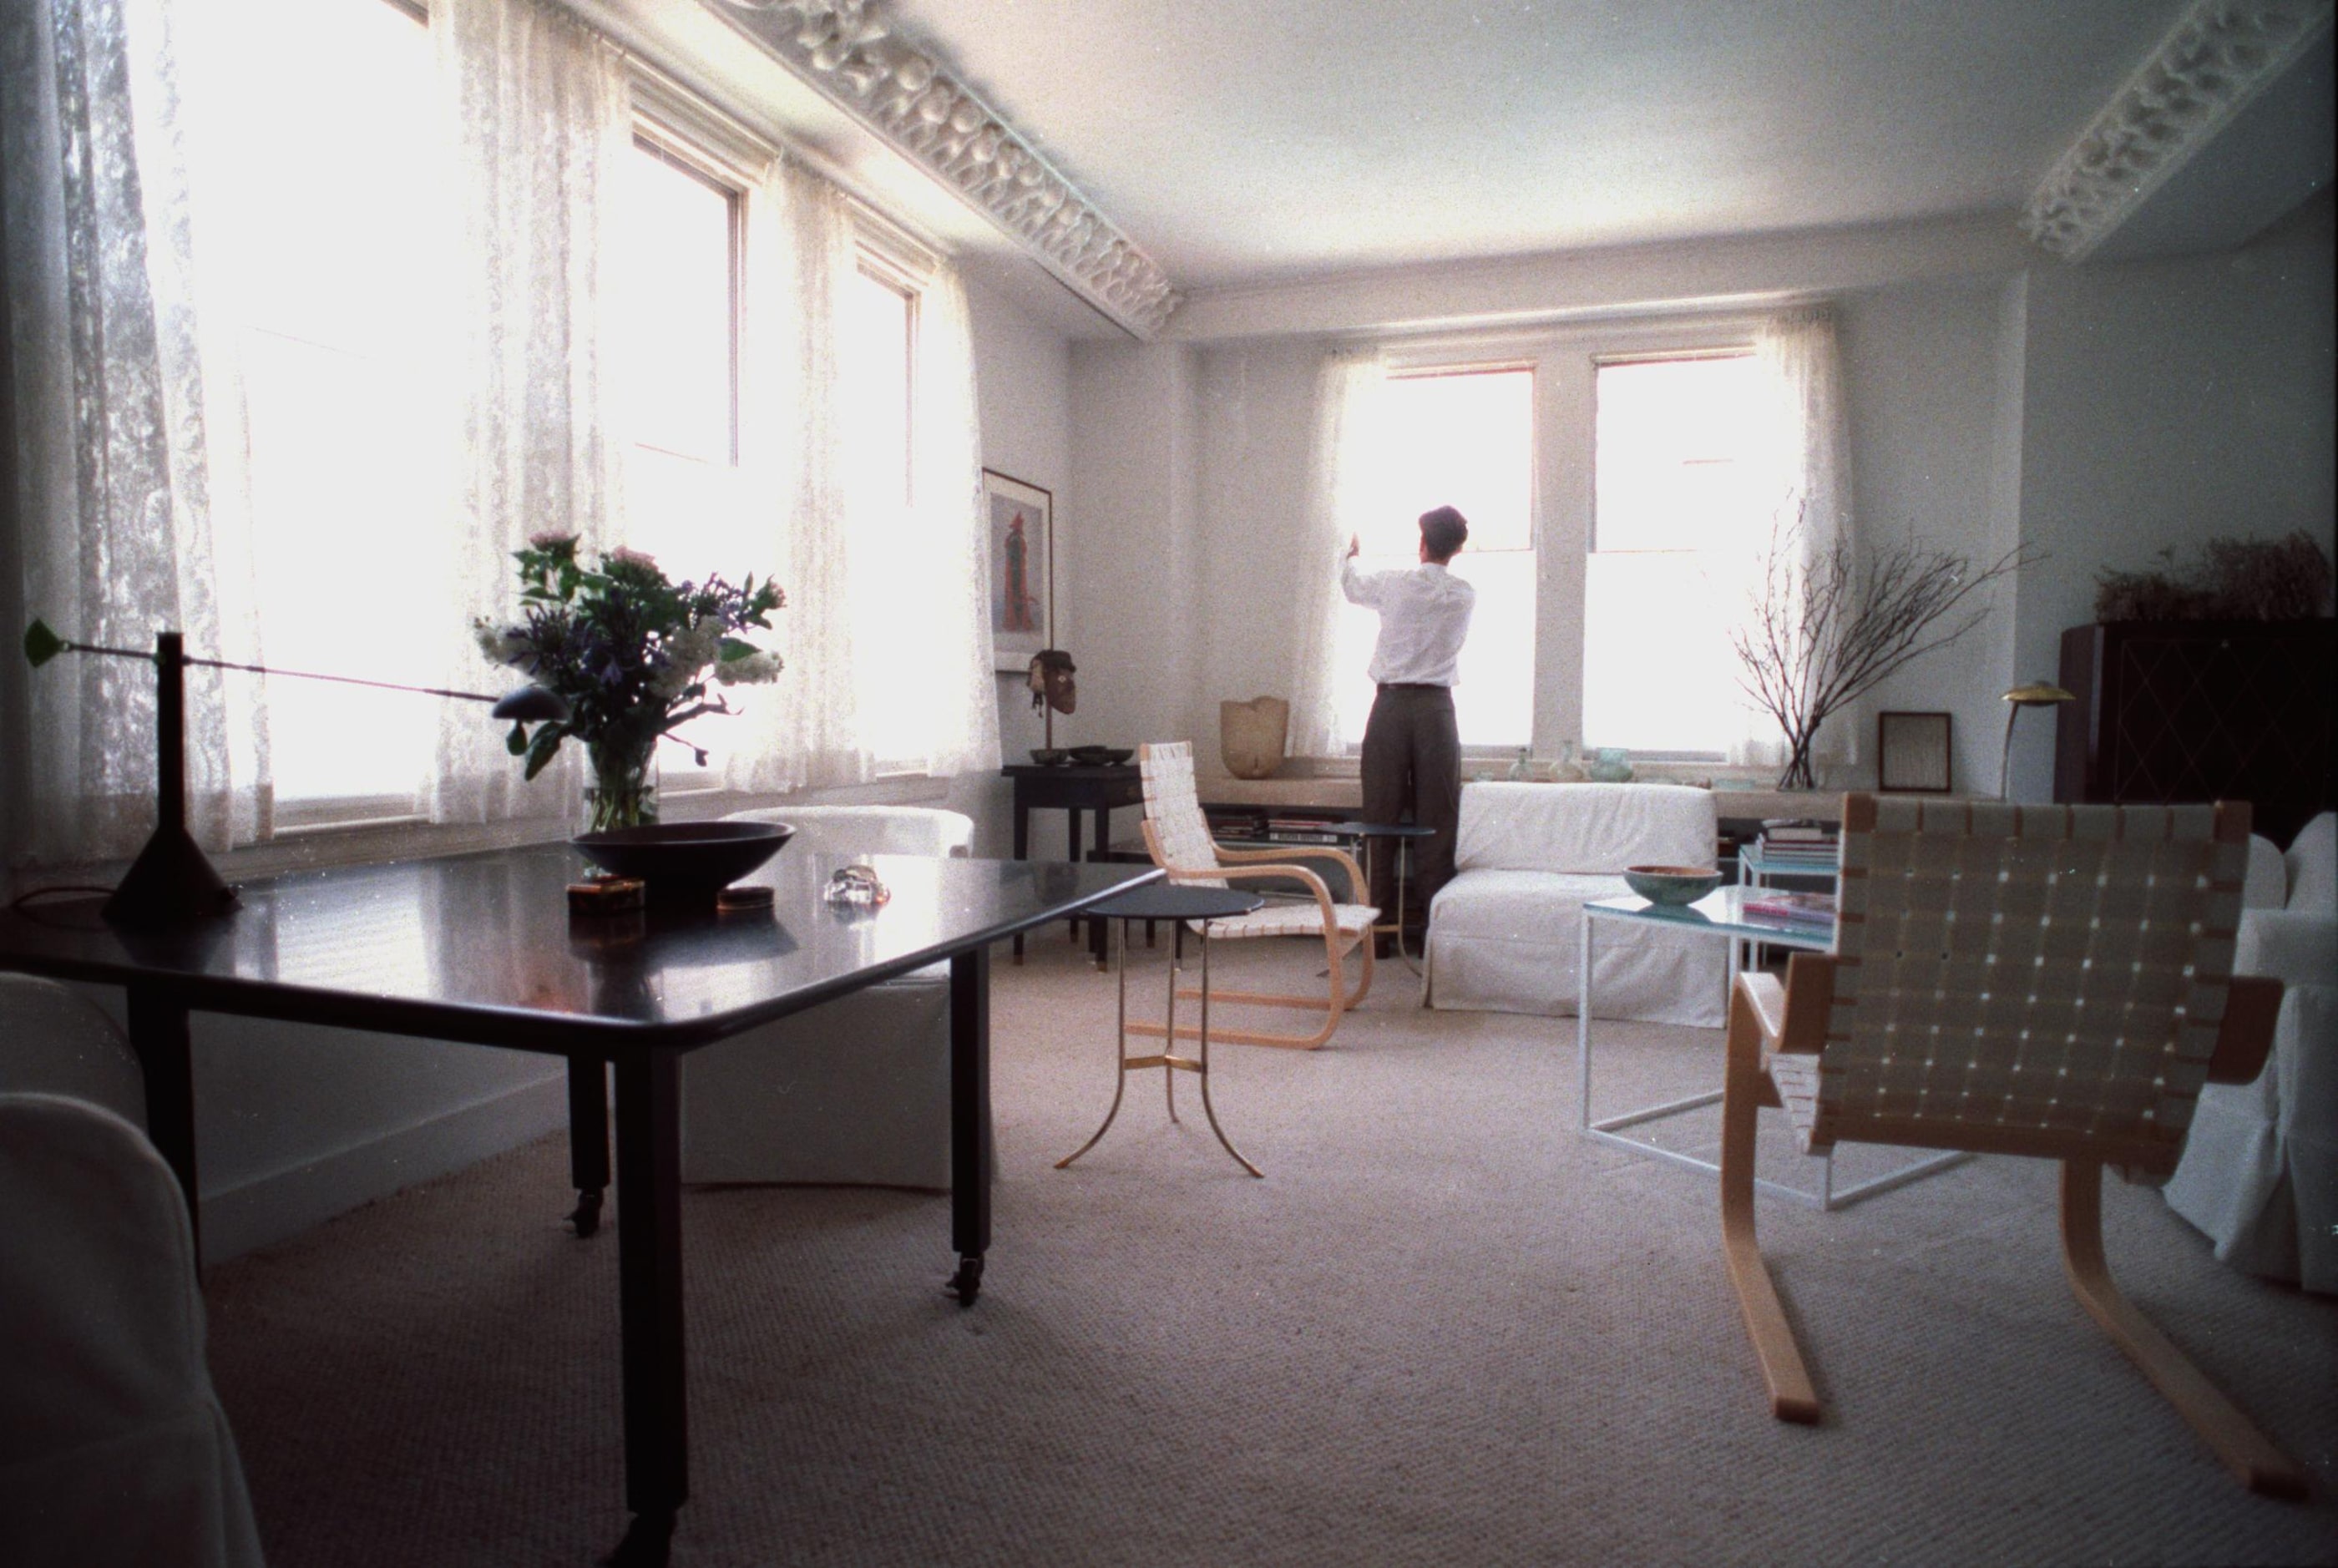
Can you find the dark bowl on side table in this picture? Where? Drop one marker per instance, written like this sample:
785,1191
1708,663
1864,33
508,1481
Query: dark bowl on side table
1050,756
1672,884
1102,756
684,861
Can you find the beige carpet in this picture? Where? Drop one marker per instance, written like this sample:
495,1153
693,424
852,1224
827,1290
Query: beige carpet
1444,1329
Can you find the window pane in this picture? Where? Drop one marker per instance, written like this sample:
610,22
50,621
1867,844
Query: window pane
1681,506
1658,674
1676,446
894,587
328,239
1462,439
673,307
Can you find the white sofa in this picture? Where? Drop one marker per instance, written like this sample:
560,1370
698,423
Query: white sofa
855,1093
1504,934
2260,1173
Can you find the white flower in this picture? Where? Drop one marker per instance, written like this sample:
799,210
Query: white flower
751,670
501,645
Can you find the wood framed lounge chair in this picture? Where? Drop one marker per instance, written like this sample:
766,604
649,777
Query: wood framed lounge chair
1178,836
2054,981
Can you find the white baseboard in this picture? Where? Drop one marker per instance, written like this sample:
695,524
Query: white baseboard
265,1210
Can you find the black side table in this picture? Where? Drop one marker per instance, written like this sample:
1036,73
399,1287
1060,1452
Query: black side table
1072,791
1399,836
1167,901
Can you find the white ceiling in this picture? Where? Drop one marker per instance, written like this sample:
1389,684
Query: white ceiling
1239,141
1242,143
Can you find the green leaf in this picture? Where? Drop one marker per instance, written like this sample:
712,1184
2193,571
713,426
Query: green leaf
516,742
734,648
41,644
543,749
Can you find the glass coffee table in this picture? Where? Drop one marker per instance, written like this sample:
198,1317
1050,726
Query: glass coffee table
1722,915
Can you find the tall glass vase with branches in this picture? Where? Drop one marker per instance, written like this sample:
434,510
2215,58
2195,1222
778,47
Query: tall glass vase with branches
1826,631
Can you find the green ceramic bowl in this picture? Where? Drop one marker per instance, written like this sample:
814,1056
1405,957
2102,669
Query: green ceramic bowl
1671,883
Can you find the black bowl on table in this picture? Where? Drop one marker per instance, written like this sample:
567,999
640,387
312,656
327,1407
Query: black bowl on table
1050,756
684,860
1101,755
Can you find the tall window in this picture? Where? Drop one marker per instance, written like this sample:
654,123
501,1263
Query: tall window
322,222
892,600
1679,511
673,313
1463,439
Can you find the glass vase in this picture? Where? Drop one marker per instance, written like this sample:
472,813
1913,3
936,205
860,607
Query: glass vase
622,792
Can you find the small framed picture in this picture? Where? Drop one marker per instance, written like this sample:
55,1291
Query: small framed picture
1912,752
1022,570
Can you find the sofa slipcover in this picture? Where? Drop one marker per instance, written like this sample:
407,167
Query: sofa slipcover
1505,934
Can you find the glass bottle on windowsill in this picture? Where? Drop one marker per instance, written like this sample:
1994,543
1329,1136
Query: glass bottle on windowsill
1522,770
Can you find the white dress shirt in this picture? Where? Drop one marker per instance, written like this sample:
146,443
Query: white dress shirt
1424,616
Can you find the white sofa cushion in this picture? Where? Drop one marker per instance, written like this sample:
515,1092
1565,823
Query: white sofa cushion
1598,828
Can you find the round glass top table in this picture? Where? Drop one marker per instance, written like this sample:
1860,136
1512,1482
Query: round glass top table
1174,902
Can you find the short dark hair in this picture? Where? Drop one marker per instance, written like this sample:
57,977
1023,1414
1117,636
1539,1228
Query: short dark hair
1442,531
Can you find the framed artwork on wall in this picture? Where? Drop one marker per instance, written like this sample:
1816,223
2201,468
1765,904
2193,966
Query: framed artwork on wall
1022,520
1912,752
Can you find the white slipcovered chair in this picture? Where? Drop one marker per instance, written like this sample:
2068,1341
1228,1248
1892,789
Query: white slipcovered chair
1178,836
113,1449
856,1091
2260,1175
1505,933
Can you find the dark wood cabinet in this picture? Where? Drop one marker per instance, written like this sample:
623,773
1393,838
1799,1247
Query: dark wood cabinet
2190,711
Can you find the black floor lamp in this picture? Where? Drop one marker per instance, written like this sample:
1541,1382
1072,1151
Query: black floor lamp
173,882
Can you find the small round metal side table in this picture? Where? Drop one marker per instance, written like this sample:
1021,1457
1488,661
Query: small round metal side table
1164,901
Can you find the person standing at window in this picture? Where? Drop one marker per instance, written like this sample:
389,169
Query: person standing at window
1412,746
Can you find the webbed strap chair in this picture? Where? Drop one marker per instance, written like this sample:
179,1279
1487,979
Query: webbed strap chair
1178,836
2053,981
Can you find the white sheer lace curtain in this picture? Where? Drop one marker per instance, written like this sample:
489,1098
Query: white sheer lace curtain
853,586
1348,388
953,534
803,732
537,114
116,489
1800,355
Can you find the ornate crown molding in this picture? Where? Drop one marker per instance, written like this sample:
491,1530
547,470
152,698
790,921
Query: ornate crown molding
843,49
2215,60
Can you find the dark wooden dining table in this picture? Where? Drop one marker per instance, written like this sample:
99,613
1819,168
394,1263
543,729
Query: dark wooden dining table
482,949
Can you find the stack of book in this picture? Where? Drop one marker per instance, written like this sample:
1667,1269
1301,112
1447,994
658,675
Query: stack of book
1798,845
1304,831
1810,911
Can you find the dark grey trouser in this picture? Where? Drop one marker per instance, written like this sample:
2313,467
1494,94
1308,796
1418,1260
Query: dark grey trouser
1413,757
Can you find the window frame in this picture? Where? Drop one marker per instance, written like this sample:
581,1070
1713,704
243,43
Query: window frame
888,255
1564,356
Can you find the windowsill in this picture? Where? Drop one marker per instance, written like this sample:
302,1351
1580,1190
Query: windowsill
318,845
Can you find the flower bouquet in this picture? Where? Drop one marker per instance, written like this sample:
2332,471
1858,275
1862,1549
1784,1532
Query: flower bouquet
632,654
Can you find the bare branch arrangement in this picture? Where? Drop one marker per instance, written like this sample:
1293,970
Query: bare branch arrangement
1823,636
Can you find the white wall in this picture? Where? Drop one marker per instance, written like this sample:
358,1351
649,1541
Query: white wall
2166,403
1921,377
1137,582
1022,387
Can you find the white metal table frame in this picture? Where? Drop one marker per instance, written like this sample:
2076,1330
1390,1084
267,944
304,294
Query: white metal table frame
1720,914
